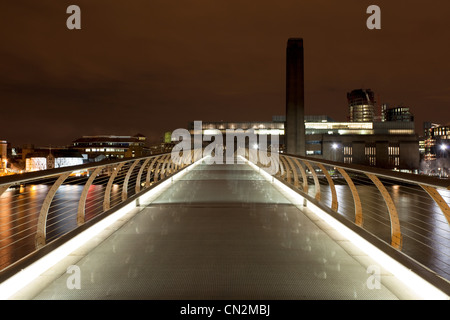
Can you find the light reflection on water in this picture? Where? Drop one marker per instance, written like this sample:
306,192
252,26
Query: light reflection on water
19,212
426,233
425,230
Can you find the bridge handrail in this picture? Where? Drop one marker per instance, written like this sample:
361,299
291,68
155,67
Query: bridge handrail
422,235
41,174
32,215
386,173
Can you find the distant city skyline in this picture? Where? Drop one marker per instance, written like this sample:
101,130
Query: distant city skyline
154,67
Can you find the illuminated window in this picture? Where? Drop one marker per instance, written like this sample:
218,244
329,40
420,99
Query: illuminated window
348,154
348,151
394,155
370,153
393,151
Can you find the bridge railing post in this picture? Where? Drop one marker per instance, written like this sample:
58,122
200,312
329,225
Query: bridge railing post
396,234
43,213
356,179
44,205
356,199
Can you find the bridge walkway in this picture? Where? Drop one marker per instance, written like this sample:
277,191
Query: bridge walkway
220,232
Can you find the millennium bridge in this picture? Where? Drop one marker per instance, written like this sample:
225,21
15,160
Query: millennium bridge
155,228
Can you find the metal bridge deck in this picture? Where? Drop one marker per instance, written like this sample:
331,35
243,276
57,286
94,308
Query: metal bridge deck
221,232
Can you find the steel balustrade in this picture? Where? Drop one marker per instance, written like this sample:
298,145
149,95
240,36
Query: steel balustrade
409,212
39,207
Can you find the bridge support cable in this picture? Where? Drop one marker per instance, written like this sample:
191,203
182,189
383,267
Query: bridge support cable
137,187
42,220
32,262
82,203
334,202
396,234
317,195
40,207
420,278
439,201
357,202
408,212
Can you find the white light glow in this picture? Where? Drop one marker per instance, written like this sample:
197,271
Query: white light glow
401,131
410,279
415,283
339,125
360,132
24,277
269,131
211,132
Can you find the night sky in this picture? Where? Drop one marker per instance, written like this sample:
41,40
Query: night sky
150,66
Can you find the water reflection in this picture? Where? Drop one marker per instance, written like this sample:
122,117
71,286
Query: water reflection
19,212
252,244
426,232
250,220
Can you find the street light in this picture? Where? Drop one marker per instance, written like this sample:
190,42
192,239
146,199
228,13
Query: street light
334,146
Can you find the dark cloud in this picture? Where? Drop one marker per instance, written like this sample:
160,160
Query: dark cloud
153,66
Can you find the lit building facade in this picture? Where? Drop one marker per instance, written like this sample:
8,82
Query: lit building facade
97,148
435,148
266,129
402,114
361,105
46,159
4,156
389,145
436,141
274,127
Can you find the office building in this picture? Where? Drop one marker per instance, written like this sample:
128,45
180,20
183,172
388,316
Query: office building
435,148
401,113
389,145
361,105
43,159
100,147
3,156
